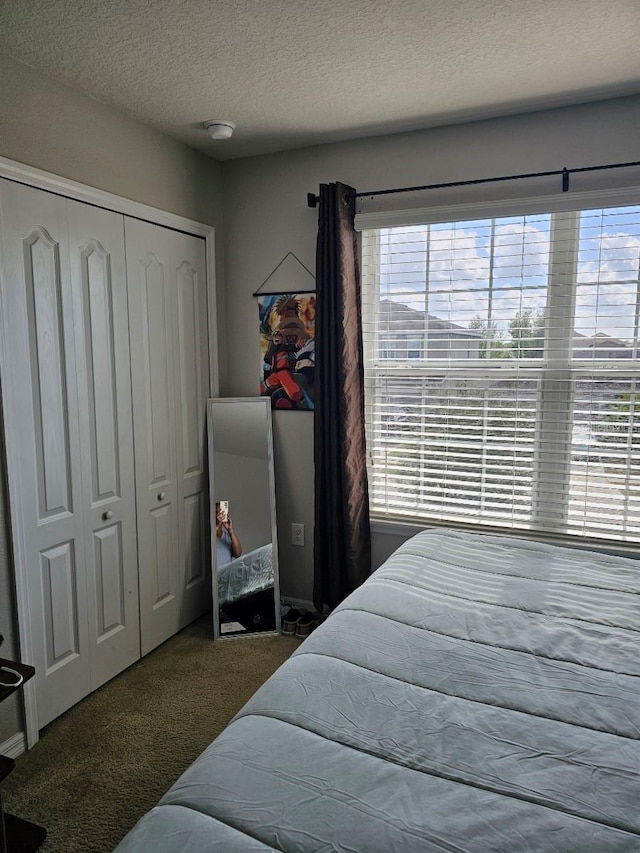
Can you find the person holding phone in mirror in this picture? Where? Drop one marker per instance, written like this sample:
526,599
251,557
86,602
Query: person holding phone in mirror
229,546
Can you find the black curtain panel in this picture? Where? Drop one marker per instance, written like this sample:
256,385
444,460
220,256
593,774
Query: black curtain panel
342,549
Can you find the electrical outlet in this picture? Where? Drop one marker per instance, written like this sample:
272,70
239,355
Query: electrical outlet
297,534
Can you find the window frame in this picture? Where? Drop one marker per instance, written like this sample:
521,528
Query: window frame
564,208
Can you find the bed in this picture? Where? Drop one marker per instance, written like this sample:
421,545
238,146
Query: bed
246,575
477,693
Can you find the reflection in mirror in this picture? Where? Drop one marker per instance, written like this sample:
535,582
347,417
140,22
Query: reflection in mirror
244,552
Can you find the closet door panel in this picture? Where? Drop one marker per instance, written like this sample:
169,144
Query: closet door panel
192,380
110,583
48,370
99,286
100,352
190,374
157,343
59,582
152,305
42,433
196,560
163,542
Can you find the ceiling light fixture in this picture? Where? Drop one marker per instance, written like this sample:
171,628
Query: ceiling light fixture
220,128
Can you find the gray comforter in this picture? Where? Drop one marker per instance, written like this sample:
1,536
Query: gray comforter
246,575
477,693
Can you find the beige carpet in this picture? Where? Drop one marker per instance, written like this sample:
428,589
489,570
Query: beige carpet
97,769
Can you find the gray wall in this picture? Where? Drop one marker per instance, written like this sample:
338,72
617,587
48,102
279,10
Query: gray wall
49,126
244,482
266,216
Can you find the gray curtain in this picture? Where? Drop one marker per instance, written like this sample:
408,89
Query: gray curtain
342,550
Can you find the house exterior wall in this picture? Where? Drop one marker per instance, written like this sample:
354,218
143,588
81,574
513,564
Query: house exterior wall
266,216
52,127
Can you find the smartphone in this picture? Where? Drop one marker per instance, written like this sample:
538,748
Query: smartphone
222,509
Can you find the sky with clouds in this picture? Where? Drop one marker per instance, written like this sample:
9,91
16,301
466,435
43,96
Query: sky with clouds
492,270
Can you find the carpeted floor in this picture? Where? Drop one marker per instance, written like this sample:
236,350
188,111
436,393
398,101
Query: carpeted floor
97,769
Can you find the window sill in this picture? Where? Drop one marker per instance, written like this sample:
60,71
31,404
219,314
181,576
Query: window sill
408,528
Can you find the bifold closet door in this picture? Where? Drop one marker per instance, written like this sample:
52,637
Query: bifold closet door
103,372
68,431
170,370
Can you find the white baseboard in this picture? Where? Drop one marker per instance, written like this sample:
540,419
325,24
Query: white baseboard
14,746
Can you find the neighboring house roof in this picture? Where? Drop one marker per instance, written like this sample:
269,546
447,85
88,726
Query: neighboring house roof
585,346
400,319
404,320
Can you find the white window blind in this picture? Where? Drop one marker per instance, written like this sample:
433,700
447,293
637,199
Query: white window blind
501,368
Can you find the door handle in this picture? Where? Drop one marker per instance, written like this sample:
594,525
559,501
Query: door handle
161,496
107,515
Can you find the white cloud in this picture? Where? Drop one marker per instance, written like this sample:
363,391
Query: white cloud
612,257
607,285
460,266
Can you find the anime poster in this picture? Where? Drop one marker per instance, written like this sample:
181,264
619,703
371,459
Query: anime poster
287,345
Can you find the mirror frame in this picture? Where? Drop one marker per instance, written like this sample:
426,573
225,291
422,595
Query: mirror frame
266,403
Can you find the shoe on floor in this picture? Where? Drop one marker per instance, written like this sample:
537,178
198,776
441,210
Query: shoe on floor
290,622
306,624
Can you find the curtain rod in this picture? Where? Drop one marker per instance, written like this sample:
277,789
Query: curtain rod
313,200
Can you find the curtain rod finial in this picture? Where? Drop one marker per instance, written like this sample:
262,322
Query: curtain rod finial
312,200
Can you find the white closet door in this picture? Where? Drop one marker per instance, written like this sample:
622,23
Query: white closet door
42,430
99,286
169,355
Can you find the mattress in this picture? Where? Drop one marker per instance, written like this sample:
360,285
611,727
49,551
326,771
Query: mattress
246,575
477,693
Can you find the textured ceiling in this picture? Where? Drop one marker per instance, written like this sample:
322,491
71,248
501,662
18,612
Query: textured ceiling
294,73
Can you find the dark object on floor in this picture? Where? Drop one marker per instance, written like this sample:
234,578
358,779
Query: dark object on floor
254,612
290,621
23,836
305,625
307,622
16,835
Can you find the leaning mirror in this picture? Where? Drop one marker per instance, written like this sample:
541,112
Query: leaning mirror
244,551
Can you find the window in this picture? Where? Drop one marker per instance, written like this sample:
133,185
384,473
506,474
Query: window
501,369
